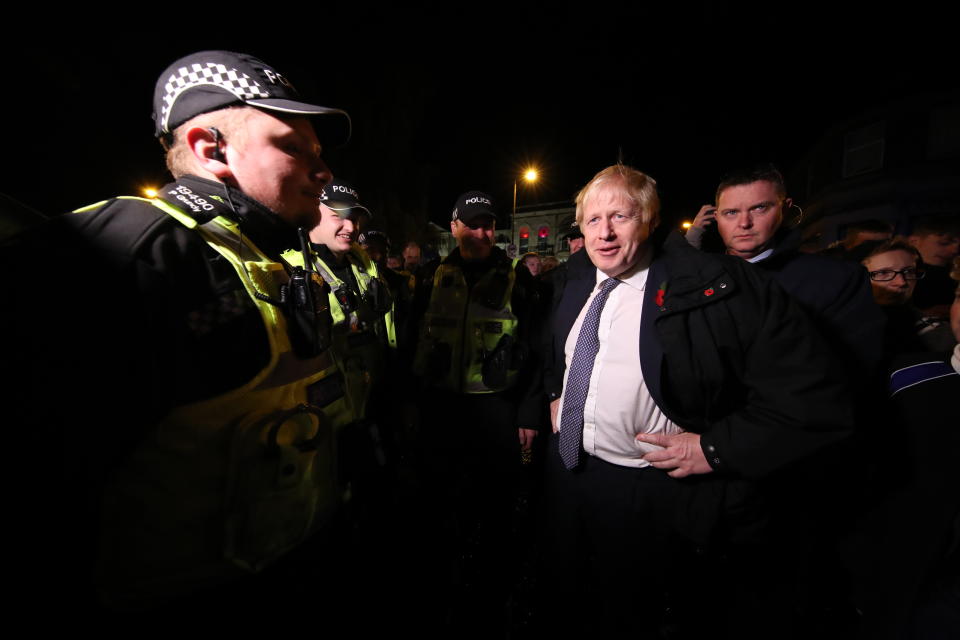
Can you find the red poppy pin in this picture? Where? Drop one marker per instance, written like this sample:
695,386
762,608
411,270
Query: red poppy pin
661,291
708,292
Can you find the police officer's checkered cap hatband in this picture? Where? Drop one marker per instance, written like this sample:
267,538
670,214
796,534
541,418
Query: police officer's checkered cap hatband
212,73
212,80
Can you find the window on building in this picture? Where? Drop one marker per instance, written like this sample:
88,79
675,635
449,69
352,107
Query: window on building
863,150
543,234
524,240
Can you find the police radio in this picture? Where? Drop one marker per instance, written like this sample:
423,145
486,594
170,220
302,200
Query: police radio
307,306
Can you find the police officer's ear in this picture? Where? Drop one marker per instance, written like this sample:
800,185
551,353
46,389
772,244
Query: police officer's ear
208,147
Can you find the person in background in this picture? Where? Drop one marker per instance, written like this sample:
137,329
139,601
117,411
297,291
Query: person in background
411,256
856,234
894,267
866,231
750,213
904,555
937,238
531,261
480,407
750,210
548,264
575,239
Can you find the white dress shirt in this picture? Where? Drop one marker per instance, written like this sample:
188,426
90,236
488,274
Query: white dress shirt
760,256
618,405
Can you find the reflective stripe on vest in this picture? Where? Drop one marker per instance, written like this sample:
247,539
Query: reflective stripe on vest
456,323
357,342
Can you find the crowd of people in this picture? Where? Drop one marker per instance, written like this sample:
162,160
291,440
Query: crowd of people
247,407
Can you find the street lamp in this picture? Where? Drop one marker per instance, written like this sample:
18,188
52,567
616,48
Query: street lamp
530,175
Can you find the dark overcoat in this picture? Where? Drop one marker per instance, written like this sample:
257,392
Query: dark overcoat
725,353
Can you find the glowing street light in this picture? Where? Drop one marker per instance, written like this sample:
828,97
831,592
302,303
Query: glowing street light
686,224
530,175
150,192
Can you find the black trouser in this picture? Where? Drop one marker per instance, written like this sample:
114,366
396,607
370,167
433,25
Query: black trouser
609,544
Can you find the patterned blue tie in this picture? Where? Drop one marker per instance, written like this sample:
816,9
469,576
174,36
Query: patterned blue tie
578,379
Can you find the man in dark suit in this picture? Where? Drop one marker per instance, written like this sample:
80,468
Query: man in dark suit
679,381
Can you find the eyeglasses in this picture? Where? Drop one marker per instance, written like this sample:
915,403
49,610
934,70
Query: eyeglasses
886,275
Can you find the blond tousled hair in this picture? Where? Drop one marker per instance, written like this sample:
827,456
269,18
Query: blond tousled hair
640,188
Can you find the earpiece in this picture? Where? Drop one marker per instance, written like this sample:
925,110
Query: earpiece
797,207
218,152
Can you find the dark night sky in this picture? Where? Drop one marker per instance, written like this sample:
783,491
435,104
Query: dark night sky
446,102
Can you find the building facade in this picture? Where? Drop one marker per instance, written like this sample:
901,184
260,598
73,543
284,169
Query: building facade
892,164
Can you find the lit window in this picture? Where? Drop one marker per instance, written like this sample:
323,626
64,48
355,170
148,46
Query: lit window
542,235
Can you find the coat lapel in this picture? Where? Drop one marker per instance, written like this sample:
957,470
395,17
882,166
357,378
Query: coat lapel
574,297
651,352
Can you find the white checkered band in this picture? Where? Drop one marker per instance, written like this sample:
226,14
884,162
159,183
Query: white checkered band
212,73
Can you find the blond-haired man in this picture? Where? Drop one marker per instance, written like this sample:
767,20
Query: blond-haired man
680,380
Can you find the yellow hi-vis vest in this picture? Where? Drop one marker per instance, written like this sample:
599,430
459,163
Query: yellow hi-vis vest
224,485
464,331
358,335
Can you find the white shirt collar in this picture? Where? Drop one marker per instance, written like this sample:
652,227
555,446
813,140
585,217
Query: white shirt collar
635,276
761,256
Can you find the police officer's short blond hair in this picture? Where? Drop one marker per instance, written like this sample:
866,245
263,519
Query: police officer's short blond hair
230,122
639,187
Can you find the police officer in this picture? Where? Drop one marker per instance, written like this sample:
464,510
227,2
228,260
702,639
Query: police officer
195,445
474,317
377,245
363,333
360,299
575,238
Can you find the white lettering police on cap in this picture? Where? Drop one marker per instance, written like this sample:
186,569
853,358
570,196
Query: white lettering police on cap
476,200
343,189
275,77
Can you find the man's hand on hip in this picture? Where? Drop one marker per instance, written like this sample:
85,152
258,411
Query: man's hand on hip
681,453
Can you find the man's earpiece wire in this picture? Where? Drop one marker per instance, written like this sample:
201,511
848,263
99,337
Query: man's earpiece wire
800,217
217,138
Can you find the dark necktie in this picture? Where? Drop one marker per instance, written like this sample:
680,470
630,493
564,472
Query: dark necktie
578,379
